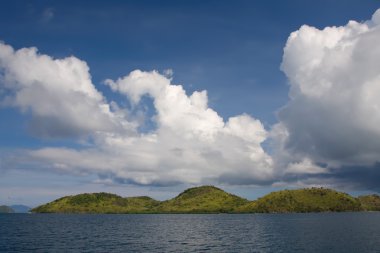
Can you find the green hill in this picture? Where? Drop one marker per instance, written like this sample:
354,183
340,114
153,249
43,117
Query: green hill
98,203
210,199
203,199
370,202
303,200
6,209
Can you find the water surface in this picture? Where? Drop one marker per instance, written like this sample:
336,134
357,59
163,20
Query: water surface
323,232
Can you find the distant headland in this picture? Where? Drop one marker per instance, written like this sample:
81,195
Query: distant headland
210,199
14,209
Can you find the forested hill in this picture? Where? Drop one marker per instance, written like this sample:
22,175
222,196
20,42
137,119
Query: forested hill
210,199
304,200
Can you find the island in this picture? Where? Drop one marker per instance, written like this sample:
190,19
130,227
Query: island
210,199
20,208
6,209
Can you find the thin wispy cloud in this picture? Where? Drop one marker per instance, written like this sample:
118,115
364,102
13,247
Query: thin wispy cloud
48,15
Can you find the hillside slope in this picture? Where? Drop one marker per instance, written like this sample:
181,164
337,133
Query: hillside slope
98,203
203,199
370,202
210,199
303,200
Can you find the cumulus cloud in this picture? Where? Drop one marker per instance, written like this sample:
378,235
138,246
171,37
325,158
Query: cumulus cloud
58,93
183,115
327,134
333,116
191,143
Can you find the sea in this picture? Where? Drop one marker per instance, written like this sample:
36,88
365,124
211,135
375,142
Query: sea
357,232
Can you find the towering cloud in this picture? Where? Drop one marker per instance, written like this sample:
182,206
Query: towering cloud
333,116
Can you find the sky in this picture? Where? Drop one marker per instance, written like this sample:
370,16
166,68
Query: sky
153,97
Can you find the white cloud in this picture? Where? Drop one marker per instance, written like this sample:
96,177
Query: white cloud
304,167
191,143
333,115
183,115
328,131
57,92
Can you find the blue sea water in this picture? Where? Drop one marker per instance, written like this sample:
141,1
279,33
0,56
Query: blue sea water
313,232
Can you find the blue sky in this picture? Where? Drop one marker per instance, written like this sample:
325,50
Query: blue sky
232,49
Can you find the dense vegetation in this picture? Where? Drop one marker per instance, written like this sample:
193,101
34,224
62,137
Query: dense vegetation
370,202
303,200
6,209
98,203
209,199
204,199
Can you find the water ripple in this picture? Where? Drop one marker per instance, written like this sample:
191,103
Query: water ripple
324,232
